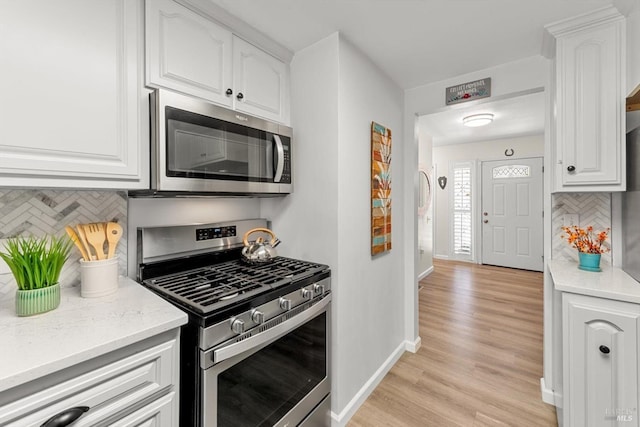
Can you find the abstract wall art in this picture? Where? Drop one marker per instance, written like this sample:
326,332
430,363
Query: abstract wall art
380,189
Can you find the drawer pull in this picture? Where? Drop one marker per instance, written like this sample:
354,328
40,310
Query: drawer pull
65,417
604,349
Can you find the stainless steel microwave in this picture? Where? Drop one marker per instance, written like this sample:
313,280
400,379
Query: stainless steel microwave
198,147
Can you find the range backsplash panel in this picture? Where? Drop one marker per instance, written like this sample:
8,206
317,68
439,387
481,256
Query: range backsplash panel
40,212
594,209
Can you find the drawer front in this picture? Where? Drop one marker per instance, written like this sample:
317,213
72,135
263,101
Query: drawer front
162,412
106,390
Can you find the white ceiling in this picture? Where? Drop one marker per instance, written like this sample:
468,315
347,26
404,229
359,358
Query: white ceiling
513,117
415,41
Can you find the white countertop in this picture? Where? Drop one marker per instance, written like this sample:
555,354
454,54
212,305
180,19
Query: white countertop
611,282
78,330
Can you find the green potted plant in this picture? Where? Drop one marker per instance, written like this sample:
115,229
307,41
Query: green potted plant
35,263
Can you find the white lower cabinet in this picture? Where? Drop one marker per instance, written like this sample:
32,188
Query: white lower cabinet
600,361
138,389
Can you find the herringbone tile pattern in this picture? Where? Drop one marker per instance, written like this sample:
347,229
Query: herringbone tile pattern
594,209
38,212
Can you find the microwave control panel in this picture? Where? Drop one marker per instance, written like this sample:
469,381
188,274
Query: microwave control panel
215,233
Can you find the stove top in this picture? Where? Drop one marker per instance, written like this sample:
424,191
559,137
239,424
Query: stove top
212,287
199,267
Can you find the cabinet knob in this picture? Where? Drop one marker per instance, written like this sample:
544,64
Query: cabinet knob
486,221
239,95
571,168
229,92
604,349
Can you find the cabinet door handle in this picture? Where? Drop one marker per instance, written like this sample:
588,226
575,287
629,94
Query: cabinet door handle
571,168
239,95
65,417
229,92
604,349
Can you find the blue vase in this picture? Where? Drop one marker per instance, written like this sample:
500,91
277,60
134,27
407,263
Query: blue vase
589,262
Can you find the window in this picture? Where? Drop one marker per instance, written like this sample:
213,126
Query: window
511,171
462,204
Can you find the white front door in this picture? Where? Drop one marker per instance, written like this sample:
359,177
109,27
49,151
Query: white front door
512,213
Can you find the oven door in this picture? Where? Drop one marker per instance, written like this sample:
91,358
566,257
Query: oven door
274,378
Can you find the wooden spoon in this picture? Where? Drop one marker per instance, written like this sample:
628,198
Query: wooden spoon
114,233
74,237
83,240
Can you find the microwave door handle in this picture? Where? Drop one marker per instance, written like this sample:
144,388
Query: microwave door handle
269,335
280,165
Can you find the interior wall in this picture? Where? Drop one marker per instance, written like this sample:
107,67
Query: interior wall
425,219
445,155
336,93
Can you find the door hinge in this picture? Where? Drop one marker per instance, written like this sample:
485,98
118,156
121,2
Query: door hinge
542,169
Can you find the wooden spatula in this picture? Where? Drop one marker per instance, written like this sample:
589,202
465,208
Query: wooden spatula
114,233
74,237
95,236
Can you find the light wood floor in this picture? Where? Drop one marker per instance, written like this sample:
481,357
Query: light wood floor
480,361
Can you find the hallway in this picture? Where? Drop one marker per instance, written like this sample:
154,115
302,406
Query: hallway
480,361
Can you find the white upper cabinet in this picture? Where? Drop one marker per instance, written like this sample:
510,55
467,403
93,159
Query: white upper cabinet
590,109
189,52
71,93
261,82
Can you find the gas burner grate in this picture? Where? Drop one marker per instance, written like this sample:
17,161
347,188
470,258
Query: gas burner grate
209,288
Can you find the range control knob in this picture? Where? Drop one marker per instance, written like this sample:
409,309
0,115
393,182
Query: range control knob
306,293
285,304
237,326
257,317
318,289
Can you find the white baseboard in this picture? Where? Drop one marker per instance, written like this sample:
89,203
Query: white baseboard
341,419
414,346
548,395
427,272
438,256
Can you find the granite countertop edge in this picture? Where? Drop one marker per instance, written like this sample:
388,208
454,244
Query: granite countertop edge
80,329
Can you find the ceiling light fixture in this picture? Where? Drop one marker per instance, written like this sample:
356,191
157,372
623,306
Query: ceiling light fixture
477,120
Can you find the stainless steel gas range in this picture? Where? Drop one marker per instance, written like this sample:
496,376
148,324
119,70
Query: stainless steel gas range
256,349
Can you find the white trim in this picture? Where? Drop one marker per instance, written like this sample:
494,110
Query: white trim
341,419
414,346
424,274
548,395
439,256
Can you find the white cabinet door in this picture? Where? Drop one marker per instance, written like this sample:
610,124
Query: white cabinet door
600,345
71,93
590,77
261,82
187,52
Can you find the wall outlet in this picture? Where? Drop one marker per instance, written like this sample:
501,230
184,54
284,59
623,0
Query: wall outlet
570,219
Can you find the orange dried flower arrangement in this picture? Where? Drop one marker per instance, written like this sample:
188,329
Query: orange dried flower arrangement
585,240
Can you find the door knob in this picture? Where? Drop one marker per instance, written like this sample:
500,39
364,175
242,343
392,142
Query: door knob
229,92
604,349
239,95
571,168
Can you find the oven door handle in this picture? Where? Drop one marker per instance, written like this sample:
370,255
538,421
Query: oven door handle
232,350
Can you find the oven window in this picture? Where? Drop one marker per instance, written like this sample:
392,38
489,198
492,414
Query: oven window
261,389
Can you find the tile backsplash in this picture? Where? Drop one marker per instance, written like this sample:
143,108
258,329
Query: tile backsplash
39,212
594,209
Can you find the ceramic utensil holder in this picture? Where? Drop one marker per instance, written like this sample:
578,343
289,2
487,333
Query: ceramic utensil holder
98,278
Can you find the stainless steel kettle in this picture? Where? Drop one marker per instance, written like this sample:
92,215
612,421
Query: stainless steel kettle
260,251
